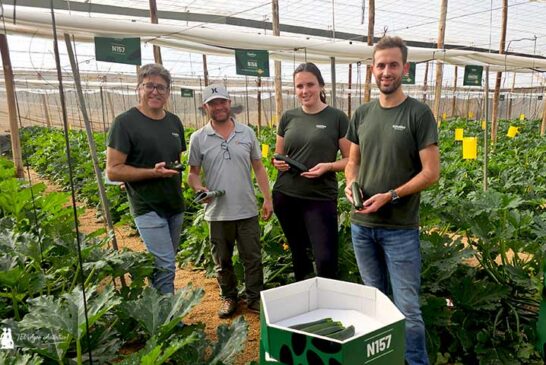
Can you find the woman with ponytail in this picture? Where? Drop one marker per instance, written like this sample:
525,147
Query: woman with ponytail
306,202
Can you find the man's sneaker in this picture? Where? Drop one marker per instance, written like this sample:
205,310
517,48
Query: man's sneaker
228,307
254,306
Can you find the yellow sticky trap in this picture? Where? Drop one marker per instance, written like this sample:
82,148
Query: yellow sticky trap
470,115
512,131
444,116
483,124
459,134
522,116
470,148
265,150
273,121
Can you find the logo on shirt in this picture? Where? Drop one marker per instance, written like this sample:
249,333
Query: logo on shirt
320,126
175,134
397,127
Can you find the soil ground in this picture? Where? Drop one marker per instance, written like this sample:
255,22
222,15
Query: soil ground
205,311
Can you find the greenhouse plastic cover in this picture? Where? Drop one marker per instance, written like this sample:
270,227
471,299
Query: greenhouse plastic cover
213,42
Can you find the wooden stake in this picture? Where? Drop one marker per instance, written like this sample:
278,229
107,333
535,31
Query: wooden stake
454,103
153,18
46,110
543,125
205,71
103,109
494,114
278,65
439,66
509,116
12,111
485,139
246,101
259,99
349,86
110,104
333,80
371,26
425,83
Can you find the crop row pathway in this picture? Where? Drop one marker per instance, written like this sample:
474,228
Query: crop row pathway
205,311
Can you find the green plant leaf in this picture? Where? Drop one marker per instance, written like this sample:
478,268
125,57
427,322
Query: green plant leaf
64,318
16,358
157,313
157,354
231,341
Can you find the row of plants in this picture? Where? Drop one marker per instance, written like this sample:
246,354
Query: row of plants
47,318
491,271
482,250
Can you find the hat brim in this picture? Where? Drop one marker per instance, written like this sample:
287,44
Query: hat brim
212,97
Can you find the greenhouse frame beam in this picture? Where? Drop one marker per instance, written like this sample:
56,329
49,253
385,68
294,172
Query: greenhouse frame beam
229,20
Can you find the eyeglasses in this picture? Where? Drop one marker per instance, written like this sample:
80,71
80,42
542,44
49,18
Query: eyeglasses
224,146
150,86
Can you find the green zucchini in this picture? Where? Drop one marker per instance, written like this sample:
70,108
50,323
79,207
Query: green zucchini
300,326
318,327
344,334
330,330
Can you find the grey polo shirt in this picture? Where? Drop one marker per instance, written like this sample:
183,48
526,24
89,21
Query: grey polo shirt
227,166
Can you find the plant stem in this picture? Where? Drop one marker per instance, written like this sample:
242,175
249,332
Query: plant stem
79,351
73,285
15,305
89,277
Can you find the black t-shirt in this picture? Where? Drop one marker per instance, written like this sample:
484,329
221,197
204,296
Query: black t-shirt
311,139
146,142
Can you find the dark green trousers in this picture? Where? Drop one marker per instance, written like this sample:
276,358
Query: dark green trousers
246,234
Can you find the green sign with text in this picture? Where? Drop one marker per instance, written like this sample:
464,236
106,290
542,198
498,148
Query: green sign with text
409,78
186,93
251,62
473,75
118,50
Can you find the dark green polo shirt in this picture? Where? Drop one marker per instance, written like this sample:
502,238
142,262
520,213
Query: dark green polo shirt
311,139
390,140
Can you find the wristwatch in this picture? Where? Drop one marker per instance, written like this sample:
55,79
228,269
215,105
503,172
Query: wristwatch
394,196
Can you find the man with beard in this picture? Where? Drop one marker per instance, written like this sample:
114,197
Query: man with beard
227,151
394,156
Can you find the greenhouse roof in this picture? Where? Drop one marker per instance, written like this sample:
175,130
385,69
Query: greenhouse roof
214,27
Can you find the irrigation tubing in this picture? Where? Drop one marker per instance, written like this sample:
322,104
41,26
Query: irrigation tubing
71,177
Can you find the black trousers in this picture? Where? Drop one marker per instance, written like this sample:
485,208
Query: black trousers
309,224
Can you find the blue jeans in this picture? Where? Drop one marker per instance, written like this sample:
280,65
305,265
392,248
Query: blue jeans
383,253
161,237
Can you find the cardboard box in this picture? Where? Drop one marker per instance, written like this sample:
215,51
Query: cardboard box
379,325
265,357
